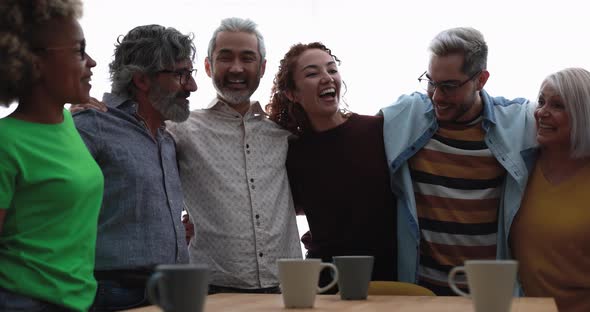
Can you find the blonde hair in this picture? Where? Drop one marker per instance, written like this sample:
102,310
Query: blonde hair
20,20
573,85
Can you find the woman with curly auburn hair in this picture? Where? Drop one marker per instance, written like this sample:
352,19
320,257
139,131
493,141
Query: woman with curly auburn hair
50,186
337,167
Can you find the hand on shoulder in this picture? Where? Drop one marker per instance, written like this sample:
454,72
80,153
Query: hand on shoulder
92,104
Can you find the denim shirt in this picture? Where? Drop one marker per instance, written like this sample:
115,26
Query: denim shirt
140,220
411,122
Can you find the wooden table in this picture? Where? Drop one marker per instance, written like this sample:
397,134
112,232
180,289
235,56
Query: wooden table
262,303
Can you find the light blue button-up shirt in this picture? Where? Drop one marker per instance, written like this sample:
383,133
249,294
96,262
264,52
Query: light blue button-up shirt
411,122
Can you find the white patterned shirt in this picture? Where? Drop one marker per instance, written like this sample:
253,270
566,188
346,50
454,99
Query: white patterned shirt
232,169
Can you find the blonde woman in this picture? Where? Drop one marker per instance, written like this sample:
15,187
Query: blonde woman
550,233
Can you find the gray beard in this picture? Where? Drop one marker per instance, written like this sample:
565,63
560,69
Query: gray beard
231,97
168,106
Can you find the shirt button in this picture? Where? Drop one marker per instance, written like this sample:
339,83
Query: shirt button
261,254
257,216
247,152
251,180
247,145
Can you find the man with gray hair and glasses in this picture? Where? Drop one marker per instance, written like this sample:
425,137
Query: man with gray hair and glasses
232,165
455,158
140,220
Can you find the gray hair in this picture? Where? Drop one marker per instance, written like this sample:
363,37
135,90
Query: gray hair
573,85
236,24
466,41
147,49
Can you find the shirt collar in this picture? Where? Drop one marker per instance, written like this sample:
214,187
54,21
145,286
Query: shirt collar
125,104
488,109
220,105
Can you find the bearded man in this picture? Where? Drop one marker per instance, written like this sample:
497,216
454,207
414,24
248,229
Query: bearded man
232,167
140,220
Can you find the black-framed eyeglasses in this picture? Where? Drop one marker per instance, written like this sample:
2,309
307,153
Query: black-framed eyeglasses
184,75
445,86
80,48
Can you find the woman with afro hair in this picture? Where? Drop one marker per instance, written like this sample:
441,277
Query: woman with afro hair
50,186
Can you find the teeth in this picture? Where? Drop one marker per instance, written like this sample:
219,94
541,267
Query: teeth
237,81
329,90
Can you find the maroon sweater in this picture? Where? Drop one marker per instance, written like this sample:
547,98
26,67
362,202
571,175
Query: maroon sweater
340,179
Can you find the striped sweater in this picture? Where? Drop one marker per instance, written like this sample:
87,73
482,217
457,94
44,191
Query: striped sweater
457,184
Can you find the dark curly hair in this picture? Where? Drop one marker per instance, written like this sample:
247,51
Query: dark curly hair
283,111
20,19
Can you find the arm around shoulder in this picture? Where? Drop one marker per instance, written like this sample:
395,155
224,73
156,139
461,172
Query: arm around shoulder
404,102
92,104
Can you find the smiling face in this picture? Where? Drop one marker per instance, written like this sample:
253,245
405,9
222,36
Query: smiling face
317,84
236,67
462,103
64,74
553,122
169,97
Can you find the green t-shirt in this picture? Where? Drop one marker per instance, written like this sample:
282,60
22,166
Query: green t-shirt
52,189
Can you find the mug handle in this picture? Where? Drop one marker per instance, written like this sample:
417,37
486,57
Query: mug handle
335,277
454,287
153,291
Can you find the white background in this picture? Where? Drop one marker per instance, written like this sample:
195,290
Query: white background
382,43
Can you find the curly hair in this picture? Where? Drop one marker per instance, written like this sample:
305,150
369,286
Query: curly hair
286,113
20,20
147,49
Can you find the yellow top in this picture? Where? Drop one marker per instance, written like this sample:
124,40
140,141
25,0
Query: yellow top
550,237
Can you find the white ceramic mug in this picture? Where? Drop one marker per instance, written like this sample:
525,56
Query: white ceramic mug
299,281
491,283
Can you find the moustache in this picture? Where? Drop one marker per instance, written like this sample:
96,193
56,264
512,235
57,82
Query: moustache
183,94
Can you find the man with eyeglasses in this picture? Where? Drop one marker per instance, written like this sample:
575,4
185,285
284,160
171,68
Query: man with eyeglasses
232,166
140,224
456,163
